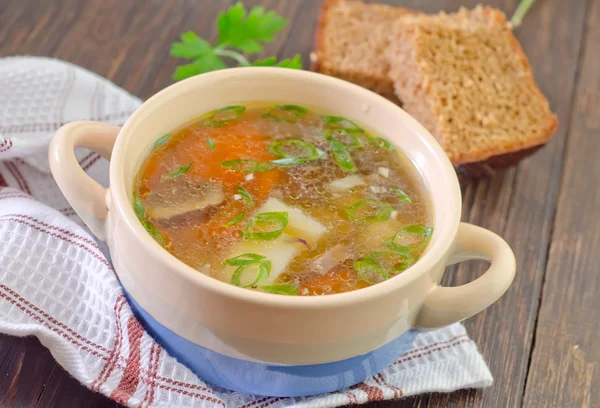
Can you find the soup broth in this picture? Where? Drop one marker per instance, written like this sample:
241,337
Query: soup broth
283,199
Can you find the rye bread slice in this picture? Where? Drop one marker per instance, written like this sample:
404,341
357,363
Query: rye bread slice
465,77
351,41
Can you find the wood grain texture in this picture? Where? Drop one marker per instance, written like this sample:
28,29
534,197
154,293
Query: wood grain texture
127,41
565,364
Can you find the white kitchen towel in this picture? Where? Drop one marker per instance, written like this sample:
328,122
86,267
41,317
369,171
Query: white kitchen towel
56,282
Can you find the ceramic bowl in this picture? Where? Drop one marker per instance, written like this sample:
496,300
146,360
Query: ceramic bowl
262,343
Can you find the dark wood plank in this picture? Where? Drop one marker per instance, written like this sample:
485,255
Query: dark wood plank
565,364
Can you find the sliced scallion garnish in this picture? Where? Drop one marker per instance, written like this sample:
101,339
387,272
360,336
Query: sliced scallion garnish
283,289
224,115
178,172
351,140
293,151
210,143
369,210
235,220
341,155
247,166
367,269
266,226
138,208
151,228
409,238
402,196
258,263
162,140
285,113
246,196
381,143
339,122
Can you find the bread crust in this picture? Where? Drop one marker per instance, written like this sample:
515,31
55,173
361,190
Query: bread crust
422,104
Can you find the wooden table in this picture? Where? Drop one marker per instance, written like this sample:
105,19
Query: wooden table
541,339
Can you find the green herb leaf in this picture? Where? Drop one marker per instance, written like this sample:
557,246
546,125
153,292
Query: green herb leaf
235,220
210,143
178,172
240,33
246,166
244,259
339,122
152,230
162,140
368,269
402,196
206,63
246,196
293,151
138,208
283,289
293,63
285,113
341,155
224,115
190,47
409,238
369,210
264,269
266,226
247,32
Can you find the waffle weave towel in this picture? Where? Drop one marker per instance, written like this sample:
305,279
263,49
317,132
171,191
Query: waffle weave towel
57,283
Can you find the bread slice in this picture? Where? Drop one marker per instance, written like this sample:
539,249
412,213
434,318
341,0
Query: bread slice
351,41
465,77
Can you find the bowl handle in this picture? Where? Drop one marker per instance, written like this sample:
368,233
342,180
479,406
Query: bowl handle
447,305
86,196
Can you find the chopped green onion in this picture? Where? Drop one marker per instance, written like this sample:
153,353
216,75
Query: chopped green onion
402,196
369,210
339,122
391,261
247,166
138,208
367,268
283,289
341,155
266,226
409,233
293,151
288,161
210,143
178,172
381,143
224,115
162,140
151,228
243,262
244,259
236,220
246,196
351,140
285,113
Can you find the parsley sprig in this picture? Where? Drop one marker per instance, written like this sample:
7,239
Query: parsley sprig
241,33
